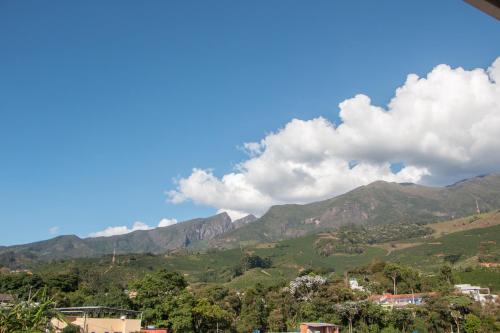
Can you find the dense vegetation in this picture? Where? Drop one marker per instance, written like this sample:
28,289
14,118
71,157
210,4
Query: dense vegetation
350,239
168,300
274,286
377,204
269,263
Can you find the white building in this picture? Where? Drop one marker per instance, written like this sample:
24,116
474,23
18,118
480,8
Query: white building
478,293
353,283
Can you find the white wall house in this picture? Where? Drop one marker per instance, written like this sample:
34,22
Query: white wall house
478,293
353,283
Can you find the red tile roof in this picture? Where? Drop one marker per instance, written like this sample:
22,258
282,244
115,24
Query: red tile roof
398,296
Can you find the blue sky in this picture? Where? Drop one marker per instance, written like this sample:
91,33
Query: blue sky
103,103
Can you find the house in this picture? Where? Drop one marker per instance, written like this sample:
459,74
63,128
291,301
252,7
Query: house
478,293
99,319
399,300
318,328
353,284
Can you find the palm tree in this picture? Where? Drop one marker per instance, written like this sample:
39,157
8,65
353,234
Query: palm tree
28,316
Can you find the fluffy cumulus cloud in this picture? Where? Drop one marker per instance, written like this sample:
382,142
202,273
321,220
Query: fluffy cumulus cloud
138,225
120,230
166,222
436,129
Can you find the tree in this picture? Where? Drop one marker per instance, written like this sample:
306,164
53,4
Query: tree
283,310
446,274
393,271
179,310
349,311
437,314
276,321
210,317
457,317
389,329
155,294
65,282
250,261
373,315
452,258
304,287
20,284
472,323
412,278
403,318
458,306
253,311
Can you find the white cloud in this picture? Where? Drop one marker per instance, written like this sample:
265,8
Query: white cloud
120,230
54,230
233,214
166,222
138,225
440,128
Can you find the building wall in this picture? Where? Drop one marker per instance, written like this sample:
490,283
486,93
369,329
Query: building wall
104,325
304,328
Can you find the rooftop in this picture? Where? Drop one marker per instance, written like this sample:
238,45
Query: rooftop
406,295
320,325
96,311
397,296
467,285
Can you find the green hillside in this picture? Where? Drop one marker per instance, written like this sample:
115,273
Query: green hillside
467,245
289,257
377,204
374,204
188,234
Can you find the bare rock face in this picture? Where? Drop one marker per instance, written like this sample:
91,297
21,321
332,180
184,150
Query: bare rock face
210,228
244,220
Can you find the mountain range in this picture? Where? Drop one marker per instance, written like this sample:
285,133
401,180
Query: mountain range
180,235
377,203
374,204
